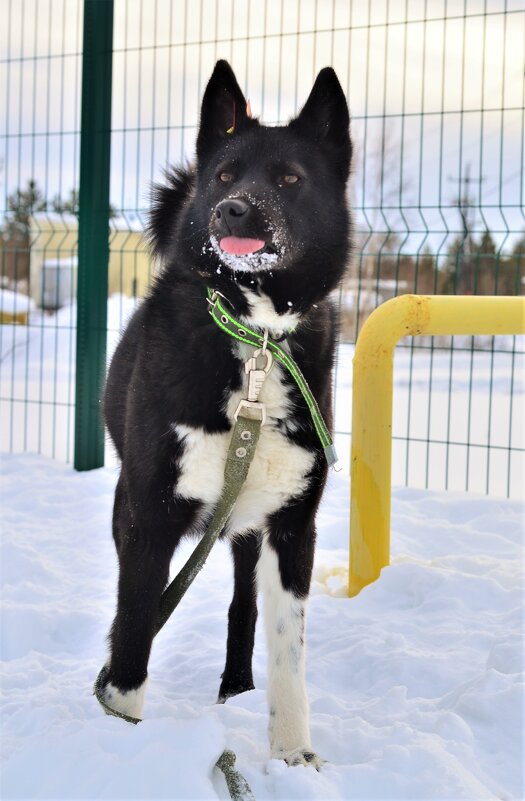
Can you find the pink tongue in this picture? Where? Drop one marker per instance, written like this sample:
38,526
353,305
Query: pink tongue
240,246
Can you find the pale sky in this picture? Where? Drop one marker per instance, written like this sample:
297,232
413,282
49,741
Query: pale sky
441,90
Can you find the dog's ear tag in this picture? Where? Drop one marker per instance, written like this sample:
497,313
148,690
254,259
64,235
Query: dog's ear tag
231,129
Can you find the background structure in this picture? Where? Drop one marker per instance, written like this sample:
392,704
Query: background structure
436,91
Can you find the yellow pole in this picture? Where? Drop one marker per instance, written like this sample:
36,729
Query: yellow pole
371,458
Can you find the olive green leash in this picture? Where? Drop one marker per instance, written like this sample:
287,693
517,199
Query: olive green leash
243,442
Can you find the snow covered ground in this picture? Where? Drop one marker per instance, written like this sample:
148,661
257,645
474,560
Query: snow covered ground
414,685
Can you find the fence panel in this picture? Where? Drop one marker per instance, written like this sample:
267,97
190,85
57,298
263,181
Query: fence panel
436,93
40,73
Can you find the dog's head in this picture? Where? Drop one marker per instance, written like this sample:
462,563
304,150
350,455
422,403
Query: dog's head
268,201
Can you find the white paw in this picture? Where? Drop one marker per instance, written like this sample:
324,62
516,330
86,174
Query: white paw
130,702
299,756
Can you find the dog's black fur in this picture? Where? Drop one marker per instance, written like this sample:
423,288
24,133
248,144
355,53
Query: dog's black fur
174,365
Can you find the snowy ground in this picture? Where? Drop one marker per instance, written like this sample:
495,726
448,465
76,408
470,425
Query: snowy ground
414,685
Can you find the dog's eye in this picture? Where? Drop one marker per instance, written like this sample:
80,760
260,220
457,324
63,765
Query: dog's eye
225,177
290,178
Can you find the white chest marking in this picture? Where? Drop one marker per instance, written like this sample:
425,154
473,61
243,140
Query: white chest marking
263,314
276,474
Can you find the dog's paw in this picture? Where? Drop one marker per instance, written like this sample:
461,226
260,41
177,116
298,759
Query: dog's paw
300,756
231,691
126,702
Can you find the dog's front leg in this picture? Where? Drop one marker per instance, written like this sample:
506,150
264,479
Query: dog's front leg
145,544
283,575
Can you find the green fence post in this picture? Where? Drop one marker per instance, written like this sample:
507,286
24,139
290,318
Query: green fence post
93,232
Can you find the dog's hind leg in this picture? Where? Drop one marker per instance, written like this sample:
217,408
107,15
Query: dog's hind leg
144,558
242,616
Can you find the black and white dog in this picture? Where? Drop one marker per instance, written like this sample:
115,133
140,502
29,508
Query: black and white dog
263,219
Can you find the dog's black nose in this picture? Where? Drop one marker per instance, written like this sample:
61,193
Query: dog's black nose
233,207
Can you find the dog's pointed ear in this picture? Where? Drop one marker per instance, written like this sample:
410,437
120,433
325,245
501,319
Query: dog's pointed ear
223,110
325,119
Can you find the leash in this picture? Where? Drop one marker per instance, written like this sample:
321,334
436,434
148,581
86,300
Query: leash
227,323
250,416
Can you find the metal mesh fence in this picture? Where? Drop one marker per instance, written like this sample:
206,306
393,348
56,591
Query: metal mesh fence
436,92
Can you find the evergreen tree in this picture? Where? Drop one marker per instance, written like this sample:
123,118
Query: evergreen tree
513,273
486,266
452,269
71,204
427,279
21,205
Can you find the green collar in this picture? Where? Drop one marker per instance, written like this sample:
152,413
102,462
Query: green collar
225,320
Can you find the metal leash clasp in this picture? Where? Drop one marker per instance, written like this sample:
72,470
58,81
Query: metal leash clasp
257,375
257,372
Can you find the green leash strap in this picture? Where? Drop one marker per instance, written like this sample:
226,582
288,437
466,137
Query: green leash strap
239,788
240,454
98,690
243,442
242,333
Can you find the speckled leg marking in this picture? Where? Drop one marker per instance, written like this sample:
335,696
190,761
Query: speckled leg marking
284,617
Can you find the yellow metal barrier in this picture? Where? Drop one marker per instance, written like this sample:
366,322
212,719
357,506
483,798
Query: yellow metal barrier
371,465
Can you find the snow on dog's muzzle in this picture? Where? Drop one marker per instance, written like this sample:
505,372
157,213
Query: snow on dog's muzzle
242,236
